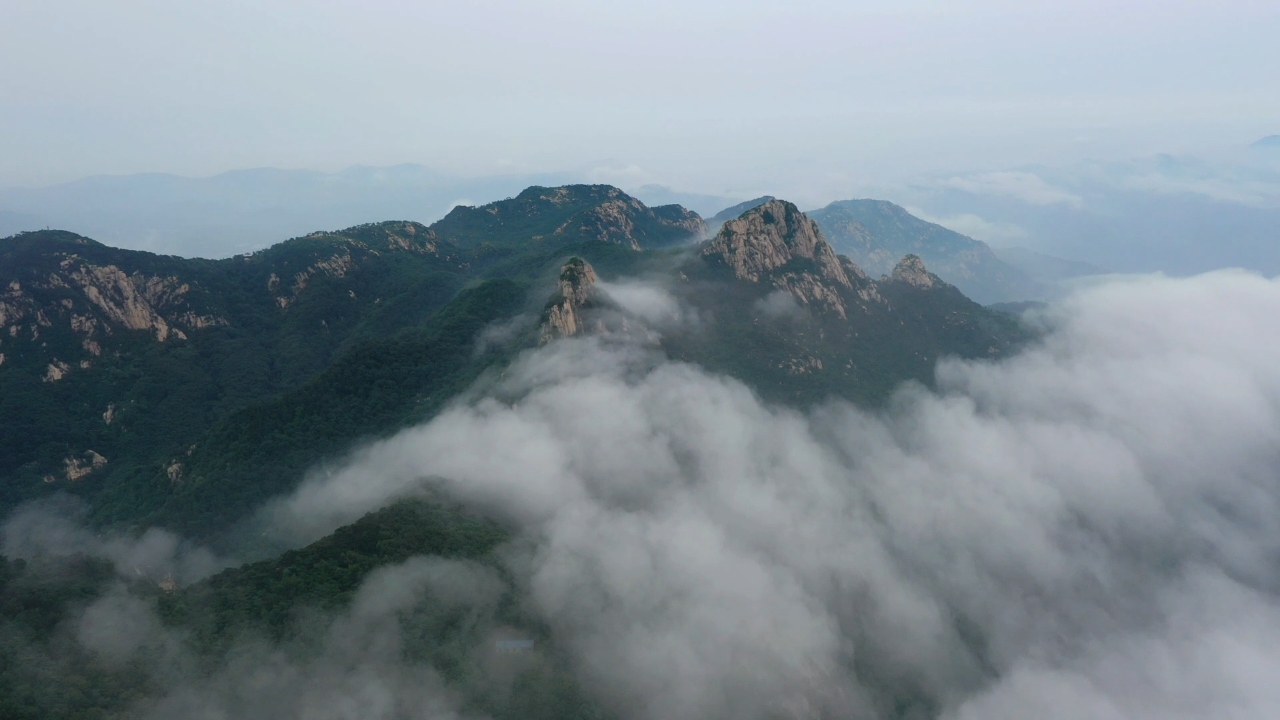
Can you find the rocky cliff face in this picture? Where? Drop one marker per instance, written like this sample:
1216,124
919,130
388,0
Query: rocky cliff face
92,301
563,316
778,244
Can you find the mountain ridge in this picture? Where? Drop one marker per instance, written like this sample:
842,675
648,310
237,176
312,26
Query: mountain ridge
877,233
381,328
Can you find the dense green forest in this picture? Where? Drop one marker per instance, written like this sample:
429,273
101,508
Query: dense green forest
290,605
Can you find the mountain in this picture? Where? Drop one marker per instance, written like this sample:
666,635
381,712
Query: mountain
111,360
1270,141
793,319
115,363
734,211
876,233
186,393
800,323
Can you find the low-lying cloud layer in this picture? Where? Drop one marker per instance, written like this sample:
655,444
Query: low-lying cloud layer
53,528
1089,529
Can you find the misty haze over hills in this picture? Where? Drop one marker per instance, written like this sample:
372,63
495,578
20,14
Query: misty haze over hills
1163,213
245,210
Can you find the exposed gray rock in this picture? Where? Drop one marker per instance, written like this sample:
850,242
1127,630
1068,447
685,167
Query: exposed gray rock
773,241
911,270
563,316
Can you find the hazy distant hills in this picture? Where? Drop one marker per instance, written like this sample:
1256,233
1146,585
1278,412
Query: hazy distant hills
1046,268
245,210
704,205
1177,215
732,212
876,234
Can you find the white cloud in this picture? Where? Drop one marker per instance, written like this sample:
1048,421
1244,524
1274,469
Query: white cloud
1086,529
1253,193
646,301
1024,186
993,232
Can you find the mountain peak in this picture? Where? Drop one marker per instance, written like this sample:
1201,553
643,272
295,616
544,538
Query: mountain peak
770,236
912,271
563,316
778,244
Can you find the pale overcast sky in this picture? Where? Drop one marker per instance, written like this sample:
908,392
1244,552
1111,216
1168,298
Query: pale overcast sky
707,95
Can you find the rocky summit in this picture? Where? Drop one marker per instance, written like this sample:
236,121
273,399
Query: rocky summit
912,271
563,315
777,244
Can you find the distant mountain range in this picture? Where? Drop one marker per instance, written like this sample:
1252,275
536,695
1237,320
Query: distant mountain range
1177,215
876,233
246,210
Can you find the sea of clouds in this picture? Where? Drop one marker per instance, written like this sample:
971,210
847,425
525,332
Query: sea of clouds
1088,529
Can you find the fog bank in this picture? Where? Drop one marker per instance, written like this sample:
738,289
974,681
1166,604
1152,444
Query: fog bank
1087,529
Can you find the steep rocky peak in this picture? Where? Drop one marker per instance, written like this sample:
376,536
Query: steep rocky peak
577,280
911,270
563,315
769,237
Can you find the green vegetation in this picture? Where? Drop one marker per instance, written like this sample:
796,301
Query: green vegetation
139,402
322,342
267,596
44,671
294,355
801,357
288,606
375,388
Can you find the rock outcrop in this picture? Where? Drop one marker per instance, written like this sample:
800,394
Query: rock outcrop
620,220
911,270
563,316
778,244
769,237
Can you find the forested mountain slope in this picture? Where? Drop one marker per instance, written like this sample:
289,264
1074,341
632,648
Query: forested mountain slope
186,393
